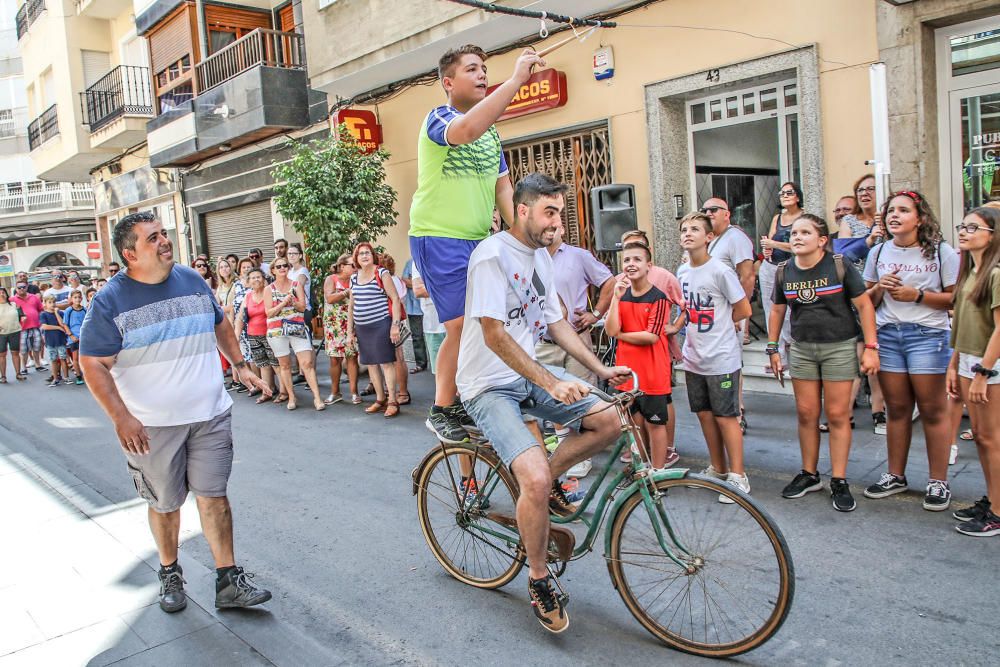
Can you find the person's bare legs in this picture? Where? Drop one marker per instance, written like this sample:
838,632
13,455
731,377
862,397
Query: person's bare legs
534,479
899,429
391,380
713,439
336,369
807,404
985,420
353,369
307,366
732,443
837,404
402,373
217,524
878,401
931,397
3,365
656,437
599,430
166,528
955,409
445,389
266,374
285,372
378,382
671,426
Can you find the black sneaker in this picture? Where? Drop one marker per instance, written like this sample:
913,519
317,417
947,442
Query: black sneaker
241,388
987,526
548,607
938,497
840,492
804,482
299,379
236,590
879,423
457,411
887,485
559,504
977,511
172,595
445,426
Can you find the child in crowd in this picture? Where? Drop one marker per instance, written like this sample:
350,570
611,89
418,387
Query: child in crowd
54,333
713,351
73,319
638,318
819,288
973,372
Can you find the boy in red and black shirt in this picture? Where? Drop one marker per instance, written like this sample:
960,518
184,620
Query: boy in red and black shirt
639,318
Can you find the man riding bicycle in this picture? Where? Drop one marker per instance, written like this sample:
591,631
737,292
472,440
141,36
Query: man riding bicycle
510,304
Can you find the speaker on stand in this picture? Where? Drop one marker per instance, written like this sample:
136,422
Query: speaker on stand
613,210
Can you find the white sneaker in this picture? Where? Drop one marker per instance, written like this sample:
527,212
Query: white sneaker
953,456
581,469
916,412
738,481
710,471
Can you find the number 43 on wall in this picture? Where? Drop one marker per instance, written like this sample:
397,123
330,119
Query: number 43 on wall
713,76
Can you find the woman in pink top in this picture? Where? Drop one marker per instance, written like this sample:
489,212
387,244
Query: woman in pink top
254,313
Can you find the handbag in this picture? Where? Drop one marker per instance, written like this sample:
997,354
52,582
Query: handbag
294,329
404,333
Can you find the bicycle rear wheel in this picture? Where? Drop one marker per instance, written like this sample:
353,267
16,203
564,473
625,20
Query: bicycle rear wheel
740,581
471,538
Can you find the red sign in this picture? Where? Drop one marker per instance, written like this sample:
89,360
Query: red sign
542,91
364,126
94,250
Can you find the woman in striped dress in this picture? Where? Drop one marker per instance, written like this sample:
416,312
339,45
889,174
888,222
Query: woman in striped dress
374,314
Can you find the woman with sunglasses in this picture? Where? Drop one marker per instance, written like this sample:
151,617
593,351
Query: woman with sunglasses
974,371
374,314
910,278
287,333
11,317
777,249
336,292
251,321
205,271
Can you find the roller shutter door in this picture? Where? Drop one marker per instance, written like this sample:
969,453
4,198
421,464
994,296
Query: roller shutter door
239,229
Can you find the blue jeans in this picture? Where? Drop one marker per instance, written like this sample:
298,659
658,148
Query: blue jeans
913,349
497,412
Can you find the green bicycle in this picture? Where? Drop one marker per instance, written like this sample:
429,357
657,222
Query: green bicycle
704,577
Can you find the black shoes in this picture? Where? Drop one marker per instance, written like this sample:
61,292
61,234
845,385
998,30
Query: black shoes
938,496
458,413
840,493
236,590
444,423
172,595
299,379
559,504
547,605
886,486
804,482
978,511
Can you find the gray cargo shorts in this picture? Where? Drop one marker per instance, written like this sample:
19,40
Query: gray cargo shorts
196,457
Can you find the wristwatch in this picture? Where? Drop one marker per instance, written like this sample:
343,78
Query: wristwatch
985,372
596,313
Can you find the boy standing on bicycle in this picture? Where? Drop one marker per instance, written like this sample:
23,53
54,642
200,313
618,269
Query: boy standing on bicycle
639,318
713,353
510,304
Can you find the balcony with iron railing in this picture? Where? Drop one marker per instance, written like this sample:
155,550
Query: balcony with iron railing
259,48
43,196
28,14
43,128
124,91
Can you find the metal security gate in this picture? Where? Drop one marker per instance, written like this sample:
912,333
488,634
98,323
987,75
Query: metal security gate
240,228
582,160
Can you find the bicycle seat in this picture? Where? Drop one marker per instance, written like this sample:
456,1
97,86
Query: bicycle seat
528,404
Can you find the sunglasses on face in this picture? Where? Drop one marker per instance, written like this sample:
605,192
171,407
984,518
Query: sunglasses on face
255,256
22,287
281,266
112,271
201,266
972,228
712,210
786,193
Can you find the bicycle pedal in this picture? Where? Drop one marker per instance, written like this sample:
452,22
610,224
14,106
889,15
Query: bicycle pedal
563,599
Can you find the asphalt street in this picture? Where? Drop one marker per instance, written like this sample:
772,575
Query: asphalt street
325,518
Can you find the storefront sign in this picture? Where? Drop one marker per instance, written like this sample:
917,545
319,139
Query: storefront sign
6,264
363,125
93,250
542,91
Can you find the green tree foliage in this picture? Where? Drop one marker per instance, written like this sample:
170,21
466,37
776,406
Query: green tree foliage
335,195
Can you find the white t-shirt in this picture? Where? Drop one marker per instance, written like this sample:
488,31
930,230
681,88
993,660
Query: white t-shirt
915,270
732,247
301,276
432,323
82,289
489,294
711,346
60,295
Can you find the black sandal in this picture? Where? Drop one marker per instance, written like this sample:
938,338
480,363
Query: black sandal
825,426
369,390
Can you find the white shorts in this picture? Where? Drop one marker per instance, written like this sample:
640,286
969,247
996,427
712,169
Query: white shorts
967,361
282,346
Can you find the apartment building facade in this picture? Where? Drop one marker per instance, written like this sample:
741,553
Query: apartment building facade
43,223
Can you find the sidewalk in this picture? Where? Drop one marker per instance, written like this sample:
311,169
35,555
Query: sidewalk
78,584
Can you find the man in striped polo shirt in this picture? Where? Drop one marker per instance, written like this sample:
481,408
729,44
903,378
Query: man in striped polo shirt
149,347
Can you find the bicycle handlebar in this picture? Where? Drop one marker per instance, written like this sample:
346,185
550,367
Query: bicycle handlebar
618,398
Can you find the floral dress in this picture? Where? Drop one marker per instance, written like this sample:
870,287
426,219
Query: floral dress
335,326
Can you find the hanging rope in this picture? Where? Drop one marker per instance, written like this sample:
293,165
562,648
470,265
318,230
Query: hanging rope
527,13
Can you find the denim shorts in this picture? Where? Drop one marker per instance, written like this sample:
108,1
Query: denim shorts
913,349
56,353
497,412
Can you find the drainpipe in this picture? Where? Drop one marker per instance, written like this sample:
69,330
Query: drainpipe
202,32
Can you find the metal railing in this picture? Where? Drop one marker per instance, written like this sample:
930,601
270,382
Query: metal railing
7,126
43,128
38,196
124,91
27,15
260,48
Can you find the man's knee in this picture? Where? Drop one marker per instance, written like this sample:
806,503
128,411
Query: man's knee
534,478
603,420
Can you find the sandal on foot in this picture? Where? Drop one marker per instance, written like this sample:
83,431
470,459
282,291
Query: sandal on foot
20,377
400,399
3,380
356,400
292,404
261,399
334,398
377,406
391,410
280,398
319,405
966,435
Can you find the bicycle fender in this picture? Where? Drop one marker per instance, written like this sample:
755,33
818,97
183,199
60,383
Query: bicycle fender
670,473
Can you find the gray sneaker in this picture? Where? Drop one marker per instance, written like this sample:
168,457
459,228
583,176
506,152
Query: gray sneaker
237,590
172,595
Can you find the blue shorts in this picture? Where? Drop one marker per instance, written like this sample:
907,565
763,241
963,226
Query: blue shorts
497,412
913,349
444,267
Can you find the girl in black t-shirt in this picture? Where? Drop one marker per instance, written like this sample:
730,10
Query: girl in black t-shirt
820,287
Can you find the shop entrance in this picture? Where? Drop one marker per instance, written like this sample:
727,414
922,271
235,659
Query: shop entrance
582,160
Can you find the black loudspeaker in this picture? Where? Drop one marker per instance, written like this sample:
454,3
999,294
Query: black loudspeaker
613,211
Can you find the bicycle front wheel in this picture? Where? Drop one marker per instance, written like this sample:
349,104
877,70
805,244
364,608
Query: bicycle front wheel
737,581
472,537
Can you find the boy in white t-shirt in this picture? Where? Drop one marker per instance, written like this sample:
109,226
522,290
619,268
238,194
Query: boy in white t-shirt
713,353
